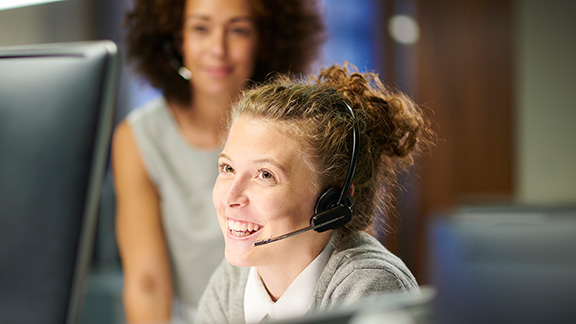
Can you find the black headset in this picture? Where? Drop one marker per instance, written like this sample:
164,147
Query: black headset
335,206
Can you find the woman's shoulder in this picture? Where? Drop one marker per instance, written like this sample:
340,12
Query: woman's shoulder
148,111
361,253
152,123
361,267
358,246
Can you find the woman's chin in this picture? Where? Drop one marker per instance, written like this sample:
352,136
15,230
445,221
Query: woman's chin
239,253
236,260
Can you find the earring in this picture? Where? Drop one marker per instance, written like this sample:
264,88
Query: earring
185,73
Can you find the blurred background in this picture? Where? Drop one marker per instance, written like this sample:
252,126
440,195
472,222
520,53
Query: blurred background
497,78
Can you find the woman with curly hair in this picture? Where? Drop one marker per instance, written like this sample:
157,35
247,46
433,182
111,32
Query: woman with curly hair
306,167
200,54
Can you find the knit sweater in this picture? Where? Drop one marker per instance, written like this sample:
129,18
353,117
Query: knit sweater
359,267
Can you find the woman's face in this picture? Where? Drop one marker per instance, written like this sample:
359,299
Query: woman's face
264,188
219,45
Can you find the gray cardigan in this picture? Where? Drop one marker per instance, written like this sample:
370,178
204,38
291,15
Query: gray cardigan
358,267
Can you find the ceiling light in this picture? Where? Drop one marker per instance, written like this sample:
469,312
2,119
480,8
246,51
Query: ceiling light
11,4
404,29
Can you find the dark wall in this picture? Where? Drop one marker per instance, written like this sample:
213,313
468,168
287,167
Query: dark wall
463,73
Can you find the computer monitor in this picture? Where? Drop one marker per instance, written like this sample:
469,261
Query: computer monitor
514,264
394,307
56,118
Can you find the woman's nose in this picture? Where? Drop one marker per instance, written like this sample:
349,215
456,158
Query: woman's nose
235,195
218,42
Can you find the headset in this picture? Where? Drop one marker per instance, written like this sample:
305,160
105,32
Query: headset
335,206
175,62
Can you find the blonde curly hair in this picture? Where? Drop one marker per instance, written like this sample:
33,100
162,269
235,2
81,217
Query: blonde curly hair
392,130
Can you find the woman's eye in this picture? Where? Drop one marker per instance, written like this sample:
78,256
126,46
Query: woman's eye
226,168
266,175
199,29
241,31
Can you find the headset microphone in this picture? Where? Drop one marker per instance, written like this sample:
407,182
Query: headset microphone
335,206
328,218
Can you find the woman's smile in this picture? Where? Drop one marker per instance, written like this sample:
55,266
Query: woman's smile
218,71
242,229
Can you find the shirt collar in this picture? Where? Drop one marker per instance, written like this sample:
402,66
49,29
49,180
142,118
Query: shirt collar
295,301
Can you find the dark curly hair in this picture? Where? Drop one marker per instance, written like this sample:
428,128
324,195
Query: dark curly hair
393,129
290,35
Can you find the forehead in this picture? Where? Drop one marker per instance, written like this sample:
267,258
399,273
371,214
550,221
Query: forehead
261,134
222,9
255,138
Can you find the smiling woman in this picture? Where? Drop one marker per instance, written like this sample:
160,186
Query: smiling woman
219,46
200,54
285,163
268,186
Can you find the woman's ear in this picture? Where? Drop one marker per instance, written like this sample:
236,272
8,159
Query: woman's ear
351,192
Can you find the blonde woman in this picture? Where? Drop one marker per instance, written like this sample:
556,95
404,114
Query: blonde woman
305,168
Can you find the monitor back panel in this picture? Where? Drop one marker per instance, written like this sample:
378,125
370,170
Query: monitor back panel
56,115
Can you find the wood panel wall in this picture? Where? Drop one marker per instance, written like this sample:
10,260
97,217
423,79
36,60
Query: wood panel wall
464,75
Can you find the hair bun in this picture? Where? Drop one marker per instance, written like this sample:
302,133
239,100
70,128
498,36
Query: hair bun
391,120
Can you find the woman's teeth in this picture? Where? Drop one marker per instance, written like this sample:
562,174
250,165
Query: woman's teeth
242,229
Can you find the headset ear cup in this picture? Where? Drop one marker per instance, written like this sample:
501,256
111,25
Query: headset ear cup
328,214
327,200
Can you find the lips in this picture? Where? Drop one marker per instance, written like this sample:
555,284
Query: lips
242,229
218,71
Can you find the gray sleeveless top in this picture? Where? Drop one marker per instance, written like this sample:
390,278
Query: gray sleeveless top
184,177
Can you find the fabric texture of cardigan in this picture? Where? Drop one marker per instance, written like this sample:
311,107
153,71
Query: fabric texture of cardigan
359,267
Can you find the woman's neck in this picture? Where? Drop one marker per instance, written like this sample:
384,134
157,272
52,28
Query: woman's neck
202,122
277,276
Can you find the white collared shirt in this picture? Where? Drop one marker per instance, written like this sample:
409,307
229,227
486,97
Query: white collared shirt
295,301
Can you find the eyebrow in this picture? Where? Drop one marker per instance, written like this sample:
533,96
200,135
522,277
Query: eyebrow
259,161
207,17
276,164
